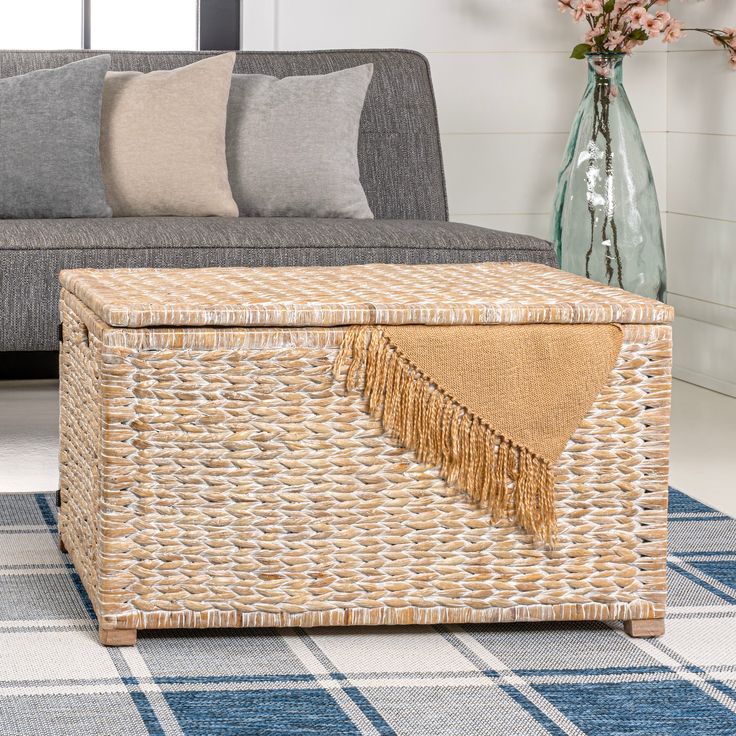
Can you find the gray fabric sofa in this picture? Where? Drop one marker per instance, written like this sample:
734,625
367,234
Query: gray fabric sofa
401,171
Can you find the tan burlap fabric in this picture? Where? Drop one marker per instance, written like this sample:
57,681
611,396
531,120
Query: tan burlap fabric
493,406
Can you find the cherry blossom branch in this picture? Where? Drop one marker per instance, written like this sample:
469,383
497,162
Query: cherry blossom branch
620,26
723,38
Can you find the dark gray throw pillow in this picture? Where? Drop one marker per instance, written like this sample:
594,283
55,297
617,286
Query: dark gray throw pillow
292,144
50,142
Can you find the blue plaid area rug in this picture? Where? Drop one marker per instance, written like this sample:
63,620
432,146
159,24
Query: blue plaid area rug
526,679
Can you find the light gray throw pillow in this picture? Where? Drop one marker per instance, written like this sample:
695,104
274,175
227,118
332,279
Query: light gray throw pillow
50,142
292,144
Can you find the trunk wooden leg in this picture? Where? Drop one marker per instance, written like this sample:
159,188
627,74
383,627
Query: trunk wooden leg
118,637
62,546
642,628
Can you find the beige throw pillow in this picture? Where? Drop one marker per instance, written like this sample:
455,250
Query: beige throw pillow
162,140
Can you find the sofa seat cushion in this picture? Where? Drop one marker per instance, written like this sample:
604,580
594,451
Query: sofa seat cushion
276,241
32,252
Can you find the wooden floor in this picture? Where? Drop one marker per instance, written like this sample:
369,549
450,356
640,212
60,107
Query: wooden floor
703,441
29,436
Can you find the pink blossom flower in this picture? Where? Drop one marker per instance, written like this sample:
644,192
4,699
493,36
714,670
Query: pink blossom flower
652,26
593,7
628,47
673,32
614,39
663,17
637,16
578,13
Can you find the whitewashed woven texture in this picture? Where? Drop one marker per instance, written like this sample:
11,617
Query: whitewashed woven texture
222,477
481,293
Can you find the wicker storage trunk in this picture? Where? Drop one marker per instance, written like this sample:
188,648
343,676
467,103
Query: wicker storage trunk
215,474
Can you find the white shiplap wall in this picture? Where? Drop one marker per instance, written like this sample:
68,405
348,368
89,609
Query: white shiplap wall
507,92
701,218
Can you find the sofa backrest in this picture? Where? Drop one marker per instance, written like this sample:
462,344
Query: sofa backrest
399,149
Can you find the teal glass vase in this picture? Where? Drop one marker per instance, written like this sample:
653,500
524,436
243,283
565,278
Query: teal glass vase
606,221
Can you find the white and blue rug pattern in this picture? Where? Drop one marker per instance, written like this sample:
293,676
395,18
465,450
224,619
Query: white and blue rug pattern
526,679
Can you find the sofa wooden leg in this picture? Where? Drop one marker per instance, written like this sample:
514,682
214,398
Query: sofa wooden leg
118,637
62,546
642,628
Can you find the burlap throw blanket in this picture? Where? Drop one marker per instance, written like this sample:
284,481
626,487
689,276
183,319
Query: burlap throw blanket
491,406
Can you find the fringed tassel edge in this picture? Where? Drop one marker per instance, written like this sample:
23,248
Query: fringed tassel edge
504,477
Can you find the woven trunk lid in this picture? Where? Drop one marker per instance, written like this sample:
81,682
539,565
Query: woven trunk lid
482,293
